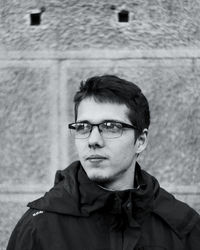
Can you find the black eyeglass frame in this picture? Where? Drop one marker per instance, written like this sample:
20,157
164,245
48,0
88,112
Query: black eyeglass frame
124,125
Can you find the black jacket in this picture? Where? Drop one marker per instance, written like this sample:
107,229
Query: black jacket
76,214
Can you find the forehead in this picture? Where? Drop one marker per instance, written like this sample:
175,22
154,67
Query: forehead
95,112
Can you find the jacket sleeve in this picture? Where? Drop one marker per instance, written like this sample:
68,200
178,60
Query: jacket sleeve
24,235
193,239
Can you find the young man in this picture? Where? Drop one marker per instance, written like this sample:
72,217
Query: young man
105,201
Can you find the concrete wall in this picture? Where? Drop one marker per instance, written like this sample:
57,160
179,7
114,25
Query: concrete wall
41,67
79,24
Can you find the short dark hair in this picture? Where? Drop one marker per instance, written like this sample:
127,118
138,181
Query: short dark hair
112,89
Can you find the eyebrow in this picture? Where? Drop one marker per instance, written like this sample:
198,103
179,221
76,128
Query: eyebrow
106,120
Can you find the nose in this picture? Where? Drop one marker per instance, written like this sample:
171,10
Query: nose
95,139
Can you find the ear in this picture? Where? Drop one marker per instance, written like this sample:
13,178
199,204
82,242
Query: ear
141,142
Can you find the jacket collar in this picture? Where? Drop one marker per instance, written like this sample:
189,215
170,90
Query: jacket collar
93,197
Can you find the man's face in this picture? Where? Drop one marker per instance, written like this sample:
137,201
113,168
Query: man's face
106,160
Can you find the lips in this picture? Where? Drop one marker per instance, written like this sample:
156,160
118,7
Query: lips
96,157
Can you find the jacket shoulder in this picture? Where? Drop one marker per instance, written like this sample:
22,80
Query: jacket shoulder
24,235
177,214
192,241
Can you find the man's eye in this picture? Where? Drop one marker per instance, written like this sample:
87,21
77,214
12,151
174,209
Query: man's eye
112,125
82,127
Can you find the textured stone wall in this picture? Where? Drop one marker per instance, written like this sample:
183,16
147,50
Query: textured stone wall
41,67
28,135
84,24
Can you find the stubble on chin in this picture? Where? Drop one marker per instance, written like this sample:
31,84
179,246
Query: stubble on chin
100,180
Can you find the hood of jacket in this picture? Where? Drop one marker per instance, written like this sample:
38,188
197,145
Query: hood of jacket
75,194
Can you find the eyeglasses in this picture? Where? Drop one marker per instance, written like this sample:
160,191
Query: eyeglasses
108,129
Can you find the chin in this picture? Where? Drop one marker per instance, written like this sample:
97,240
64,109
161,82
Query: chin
99,178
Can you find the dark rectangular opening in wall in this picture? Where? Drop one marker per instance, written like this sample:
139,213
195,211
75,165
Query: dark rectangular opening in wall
35,18
123,16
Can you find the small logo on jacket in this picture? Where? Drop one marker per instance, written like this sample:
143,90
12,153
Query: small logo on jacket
39,212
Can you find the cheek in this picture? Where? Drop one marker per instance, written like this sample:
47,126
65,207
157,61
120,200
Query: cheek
80,145
124,149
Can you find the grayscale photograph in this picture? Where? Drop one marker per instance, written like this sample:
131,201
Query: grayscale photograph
100,125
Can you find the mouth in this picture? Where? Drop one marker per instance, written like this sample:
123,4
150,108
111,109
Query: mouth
96,158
